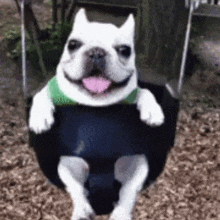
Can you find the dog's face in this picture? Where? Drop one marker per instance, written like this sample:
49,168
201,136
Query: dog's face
97,67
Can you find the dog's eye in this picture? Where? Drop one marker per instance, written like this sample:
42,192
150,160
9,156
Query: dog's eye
74,44
124,51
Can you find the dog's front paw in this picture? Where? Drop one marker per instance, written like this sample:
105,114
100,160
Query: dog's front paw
40,120
41,113
120,213
85,212
152,116
150,111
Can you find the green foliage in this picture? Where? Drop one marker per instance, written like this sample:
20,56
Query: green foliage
51,44
13,34
13,38
48,3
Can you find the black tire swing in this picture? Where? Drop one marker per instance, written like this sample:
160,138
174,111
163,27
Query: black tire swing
165,59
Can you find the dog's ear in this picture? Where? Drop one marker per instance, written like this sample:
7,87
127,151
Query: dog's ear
127,30
80,19
129,25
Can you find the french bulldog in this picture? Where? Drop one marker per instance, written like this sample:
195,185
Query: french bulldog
97,69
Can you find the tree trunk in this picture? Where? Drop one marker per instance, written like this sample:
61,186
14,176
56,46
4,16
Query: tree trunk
30,22
71,10
63,11
161,38
54,12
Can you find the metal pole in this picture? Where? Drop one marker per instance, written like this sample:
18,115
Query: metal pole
185,49
23,45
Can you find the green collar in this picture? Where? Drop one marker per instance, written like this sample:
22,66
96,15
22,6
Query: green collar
60,99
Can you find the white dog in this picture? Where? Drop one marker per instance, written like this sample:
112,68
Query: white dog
97,69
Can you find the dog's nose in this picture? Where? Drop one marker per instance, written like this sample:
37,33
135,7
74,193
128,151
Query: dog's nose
96,53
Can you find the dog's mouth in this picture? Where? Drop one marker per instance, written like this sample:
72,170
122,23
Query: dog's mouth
98,85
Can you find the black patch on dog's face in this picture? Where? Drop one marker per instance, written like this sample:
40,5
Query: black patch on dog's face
74,45
123,51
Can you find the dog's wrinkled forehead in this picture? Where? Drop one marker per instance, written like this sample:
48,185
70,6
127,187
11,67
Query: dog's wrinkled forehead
85,30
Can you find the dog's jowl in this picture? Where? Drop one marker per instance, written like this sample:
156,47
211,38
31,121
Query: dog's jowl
91,121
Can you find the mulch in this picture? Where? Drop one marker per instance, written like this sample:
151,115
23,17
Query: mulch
189,187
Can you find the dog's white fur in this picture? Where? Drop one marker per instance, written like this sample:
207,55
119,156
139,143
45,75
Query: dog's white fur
131,171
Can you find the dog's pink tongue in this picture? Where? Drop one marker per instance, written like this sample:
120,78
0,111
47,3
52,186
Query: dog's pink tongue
96,84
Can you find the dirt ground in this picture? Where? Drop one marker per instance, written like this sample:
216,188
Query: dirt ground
188,188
